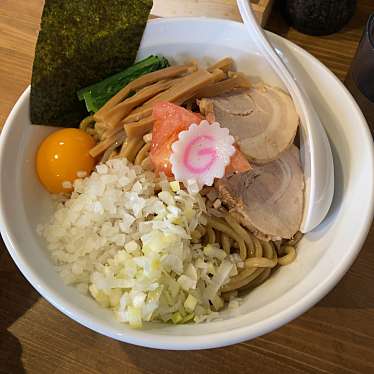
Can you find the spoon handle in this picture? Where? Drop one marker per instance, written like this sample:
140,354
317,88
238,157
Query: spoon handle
270,54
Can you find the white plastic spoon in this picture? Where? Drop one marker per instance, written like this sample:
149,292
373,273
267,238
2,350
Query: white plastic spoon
315,148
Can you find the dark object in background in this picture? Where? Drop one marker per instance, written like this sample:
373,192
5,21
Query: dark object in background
81,43
360,78
362,68
318,17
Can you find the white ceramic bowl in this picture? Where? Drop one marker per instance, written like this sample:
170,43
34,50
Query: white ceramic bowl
324,255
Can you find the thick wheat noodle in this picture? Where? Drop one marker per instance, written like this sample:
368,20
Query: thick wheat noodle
269,260
218,237
243,274
261,278
234,244
196,235
139,128
225,64
143,81
271,254
260,262
142,154
118,134
110,132
288,257
211,235
257,269
258,247
218,225
111,150
295,240
131,147
219,240
108,153
114,116
235,283
226,245
105,144
229,295
202,229
100,124
268,249
100,129
147,164
86,122
240,231
88,125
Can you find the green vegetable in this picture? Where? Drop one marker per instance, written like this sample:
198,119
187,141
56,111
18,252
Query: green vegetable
80,43
188,318
190,303
176,318
98,94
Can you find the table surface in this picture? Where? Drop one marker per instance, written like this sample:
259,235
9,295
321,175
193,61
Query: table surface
336,336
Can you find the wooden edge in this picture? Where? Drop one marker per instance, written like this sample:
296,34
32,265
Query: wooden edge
266,11
263,3
259,12
224,9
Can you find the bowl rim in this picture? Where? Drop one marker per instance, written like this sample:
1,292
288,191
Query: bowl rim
210,340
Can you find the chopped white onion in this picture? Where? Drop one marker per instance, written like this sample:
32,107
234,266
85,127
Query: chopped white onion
131,248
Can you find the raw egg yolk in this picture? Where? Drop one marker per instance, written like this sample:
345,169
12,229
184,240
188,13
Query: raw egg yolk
62,157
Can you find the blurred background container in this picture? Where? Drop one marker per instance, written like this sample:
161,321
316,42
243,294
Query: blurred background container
360,77
318,17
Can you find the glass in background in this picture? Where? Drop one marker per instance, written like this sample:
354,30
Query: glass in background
360,78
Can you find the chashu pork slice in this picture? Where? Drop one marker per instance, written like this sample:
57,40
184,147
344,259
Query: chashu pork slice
263,120
268,199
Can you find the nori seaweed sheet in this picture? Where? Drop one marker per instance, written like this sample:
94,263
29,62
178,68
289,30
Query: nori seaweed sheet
80,43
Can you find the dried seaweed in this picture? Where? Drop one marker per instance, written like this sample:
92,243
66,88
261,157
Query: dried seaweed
81,42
